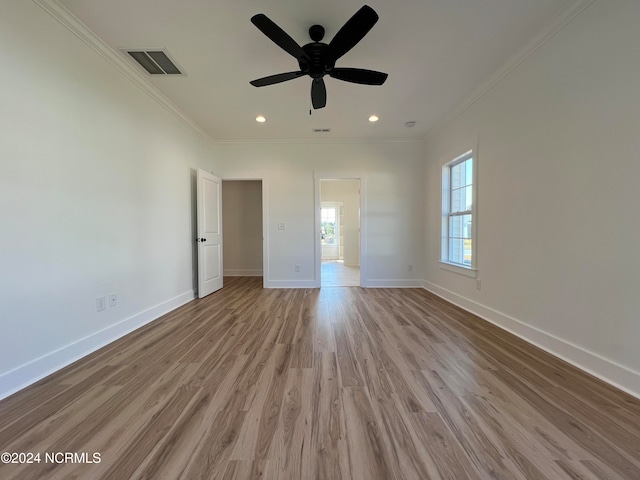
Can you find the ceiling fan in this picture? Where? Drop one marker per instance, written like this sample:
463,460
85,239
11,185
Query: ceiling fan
318,59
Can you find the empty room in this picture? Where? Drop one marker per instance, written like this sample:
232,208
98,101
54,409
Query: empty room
319,240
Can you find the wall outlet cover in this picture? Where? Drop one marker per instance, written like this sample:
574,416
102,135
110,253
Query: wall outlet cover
100,304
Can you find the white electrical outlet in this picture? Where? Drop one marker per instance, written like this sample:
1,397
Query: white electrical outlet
100,304
113,300
478,284
410,268
297,268
282,226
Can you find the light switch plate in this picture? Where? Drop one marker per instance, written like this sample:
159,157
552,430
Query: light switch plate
281,226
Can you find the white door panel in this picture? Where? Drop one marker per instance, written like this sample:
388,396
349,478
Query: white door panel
212,262
209,233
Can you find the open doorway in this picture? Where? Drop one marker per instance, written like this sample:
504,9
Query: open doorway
242,219
340,232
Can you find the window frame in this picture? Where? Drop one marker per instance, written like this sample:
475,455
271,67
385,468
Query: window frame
336,207
446,196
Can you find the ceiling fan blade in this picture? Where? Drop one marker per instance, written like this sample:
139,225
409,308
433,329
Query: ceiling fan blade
318,93
279,36
359,75
353,31
273,79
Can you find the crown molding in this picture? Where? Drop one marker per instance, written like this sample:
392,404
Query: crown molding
74,25
552,28
80,30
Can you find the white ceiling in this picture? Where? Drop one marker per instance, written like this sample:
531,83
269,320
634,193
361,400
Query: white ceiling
436,52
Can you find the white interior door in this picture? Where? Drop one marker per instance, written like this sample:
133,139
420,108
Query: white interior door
209,233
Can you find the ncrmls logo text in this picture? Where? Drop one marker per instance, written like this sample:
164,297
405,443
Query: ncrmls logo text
72,457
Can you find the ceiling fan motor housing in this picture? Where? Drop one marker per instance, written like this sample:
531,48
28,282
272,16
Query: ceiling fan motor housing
320,63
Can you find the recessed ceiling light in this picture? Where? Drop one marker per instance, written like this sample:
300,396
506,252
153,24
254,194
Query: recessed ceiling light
410,123
260,119
373,118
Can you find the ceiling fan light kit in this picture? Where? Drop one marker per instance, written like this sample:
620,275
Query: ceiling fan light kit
317,59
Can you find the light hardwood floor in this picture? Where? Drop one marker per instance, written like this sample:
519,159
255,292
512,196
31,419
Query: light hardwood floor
336,274
323,384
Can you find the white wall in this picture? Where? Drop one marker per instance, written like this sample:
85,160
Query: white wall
95,198
347,192
392,182
558,172
242,227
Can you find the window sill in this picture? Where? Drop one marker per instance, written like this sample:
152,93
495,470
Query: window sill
452,267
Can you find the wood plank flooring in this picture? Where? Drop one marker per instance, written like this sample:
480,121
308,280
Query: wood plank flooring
334,383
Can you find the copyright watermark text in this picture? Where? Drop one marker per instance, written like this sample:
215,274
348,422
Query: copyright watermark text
50,457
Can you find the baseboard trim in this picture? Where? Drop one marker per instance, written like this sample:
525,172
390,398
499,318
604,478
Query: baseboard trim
29,373
395,283
606,370
239,272
290,284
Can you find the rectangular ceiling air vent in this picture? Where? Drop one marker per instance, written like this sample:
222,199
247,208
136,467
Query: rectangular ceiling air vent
321,130
155,62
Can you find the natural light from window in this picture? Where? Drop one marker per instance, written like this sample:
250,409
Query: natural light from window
328,217
458,211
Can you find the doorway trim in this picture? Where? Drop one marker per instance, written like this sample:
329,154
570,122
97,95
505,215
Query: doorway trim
317,177
265,219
